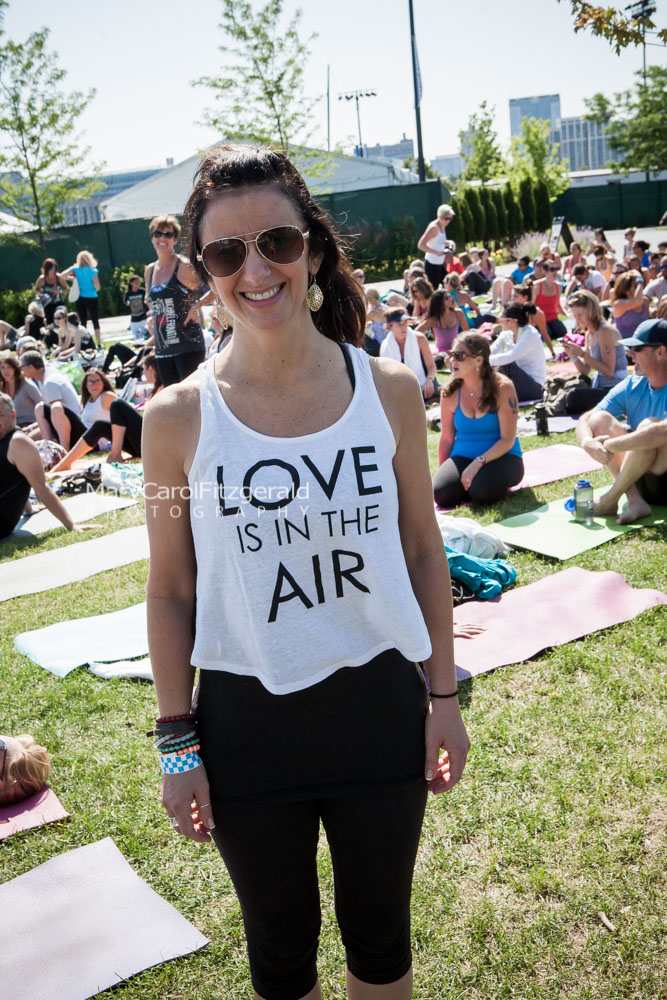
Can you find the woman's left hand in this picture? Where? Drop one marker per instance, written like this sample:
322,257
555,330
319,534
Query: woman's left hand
446,731
428,387
469,474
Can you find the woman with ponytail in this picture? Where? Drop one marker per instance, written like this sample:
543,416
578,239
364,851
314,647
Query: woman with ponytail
479,452
274,476
518,352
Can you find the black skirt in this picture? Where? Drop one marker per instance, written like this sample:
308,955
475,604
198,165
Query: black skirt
361,728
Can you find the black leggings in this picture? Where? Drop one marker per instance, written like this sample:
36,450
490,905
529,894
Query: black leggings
77,427
583,398
335,752
490,484
179,366
527,389
556,328
435,273
91,306
120,351
122,414
478,284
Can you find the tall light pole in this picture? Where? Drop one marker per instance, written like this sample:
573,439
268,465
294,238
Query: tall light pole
417,84
641,11
354,95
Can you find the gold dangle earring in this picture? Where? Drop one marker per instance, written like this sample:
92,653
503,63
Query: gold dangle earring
314,295
223,315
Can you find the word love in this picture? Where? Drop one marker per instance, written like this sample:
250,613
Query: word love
326,480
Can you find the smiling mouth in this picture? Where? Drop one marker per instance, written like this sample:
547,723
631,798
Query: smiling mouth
263,296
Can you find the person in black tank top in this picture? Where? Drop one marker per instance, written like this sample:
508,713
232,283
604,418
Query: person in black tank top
20,470
173,300
357,751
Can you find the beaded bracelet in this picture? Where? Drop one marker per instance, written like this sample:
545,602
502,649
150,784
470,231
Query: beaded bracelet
176,718
178,764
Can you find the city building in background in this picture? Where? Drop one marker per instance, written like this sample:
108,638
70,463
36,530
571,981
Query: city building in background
583,144
402,150
78,213
449,165
546,107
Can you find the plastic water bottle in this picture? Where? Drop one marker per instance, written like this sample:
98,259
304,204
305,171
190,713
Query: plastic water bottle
583,502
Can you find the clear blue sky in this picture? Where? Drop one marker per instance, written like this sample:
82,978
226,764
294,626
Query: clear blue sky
141,58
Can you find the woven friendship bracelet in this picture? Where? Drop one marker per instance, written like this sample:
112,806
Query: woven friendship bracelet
179,763
176,718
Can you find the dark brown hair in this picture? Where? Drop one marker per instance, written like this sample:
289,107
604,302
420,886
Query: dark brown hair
49,264
342,316
478,347
85,394
13,362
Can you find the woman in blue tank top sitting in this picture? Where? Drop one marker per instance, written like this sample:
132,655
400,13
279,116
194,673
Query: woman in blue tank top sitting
274,476
602,357
479,452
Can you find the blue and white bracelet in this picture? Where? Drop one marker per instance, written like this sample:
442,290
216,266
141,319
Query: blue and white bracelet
174,763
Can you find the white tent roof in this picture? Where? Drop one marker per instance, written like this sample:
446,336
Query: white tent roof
166,192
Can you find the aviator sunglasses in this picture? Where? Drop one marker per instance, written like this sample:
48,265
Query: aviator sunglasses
280,245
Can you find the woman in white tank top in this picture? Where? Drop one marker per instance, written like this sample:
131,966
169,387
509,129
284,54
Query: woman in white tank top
274,478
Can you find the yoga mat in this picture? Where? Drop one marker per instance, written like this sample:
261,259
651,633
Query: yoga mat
37,810
525,426
48,570
80,508
552,530
557,461
562,368
83,922
60,648
123,668
553,611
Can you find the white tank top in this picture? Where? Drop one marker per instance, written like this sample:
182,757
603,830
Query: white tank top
94,410
436,247
300,568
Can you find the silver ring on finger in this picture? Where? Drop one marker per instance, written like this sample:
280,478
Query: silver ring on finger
204,805
173,822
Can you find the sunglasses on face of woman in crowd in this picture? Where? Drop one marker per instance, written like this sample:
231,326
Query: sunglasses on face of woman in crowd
159,234
279,245
459,355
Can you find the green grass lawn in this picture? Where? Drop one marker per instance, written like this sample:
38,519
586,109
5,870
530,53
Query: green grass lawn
562,813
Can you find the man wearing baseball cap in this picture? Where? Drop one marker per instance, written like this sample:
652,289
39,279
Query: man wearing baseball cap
637,459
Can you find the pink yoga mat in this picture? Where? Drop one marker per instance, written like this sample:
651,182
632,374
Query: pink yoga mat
37,810
553,611
558,461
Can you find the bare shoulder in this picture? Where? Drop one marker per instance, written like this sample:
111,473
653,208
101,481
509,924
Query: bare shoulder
186,273
172,420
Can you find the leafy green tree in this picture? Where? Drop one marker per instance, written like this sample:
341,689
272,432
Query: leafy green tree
501,213
543,210
533,155
260,99
467,221
456,228
410,163
527,202
471,195
479,146
489,206
616,26
636,121
41,155
514,214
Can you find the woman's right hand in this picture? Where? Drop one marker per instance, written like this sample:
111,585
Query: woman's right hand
187,797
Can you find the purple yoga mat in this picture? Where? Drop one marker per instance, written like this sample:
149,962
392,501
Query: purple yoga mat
557,461
43,807
546,465
558,609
